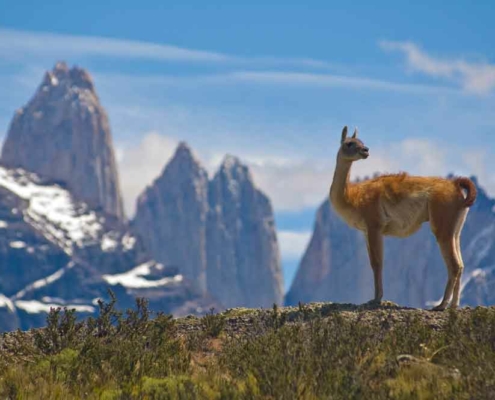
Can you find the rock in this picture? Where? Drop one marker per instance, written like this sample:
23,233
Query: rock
220,234
63,134
243,267
171,216
56,251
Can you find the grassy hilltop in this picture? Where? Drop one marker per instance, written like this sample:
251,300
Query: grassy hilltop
330,351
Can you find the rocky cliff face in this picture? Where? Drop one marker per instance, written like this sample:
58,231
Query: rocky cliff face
56,251
220,234
171,216
335,266
243,264
63,134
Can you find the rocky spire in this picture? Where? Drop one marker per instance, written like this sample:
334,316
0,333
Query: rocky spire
243,254
63,134
171,216
220,234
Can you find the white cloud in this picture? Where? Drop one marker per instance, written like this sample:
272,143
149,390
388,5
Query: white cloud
473,77
140,165
14,43
293,243
329,80
293,183
479,164
17,44
422,156
279,78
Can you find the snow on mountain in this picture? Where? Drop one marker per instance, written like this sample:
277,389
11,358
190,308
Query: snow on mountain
52,210
36,307
56,251
63,133
6,302
135,278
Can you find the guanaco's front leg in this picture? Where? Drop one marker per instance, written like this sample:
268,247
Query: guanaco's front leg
374,241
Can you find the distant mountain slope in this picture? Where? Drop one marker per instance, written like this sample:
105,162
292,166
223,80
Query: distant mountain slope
57,251
220,233
63,134
335,265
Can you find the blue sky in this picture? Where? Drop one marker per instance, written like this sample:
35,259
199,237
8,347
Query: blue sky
273,83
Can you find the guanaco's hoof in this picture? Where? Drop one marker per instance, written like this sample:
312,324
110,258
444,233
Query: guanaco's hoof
439,308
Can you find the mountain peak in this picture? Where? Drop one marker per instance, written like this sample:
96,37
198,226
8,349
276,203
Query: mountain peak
233,170
63,134
231,162
67,78
182,160
220,233
183,150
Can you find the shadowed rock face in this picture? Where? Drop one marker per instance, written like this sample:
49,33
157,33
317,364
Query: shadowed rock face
171,216
219,233
56,251
335,266
243,264
63,134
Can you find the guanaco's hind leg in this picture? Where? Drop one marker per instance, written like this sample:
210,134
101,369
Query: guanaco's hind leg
449,253
457,287
444,221
374,242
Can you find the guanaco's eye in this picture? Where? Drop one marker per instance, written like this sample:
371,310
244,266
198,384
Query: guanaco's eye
350,144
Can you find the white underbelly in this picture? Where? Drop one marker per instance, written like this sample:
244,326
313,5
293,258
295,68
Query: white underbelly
405,218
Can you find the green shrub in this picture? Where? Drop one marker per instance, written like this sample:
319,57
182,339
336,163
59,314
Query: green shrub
308,352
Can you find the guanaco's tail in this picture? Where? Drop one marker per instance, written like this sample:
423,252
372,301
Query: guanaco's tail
469,187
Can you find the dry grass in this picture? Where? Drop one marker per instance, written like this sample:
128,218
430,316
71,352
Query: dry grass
307,352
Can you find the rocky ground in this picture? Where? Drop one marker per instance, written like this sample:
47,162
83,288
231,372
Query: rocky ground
312,351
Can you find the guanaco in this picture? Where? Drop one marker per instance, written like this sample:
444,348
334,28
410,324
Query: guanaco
397,205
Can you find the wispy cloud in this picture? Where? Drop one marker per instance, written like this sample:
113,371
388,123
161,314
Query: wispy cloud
16,44
140,165
473,77
330,80
37,47
292,183
275,78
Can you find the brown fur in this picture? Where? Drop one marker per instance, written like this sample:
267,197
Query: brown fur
397,205
468,185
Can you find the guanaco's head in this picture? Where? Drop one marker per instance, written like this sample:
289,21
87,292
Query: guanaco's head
351,148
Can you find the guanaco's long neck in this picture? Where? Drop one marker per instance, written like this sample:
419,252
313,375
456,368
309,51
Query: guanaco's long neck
341,177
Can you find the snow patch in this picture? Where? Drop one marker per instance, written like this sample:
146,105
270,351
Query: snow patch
36,307
6,302
52,210
108,243
96,300
128,241
3,224
45,281
135,278
478,273
18,244
479,247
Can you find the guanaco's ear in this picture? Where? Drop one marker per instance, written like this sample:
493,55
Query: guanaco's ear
354,136
344,134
